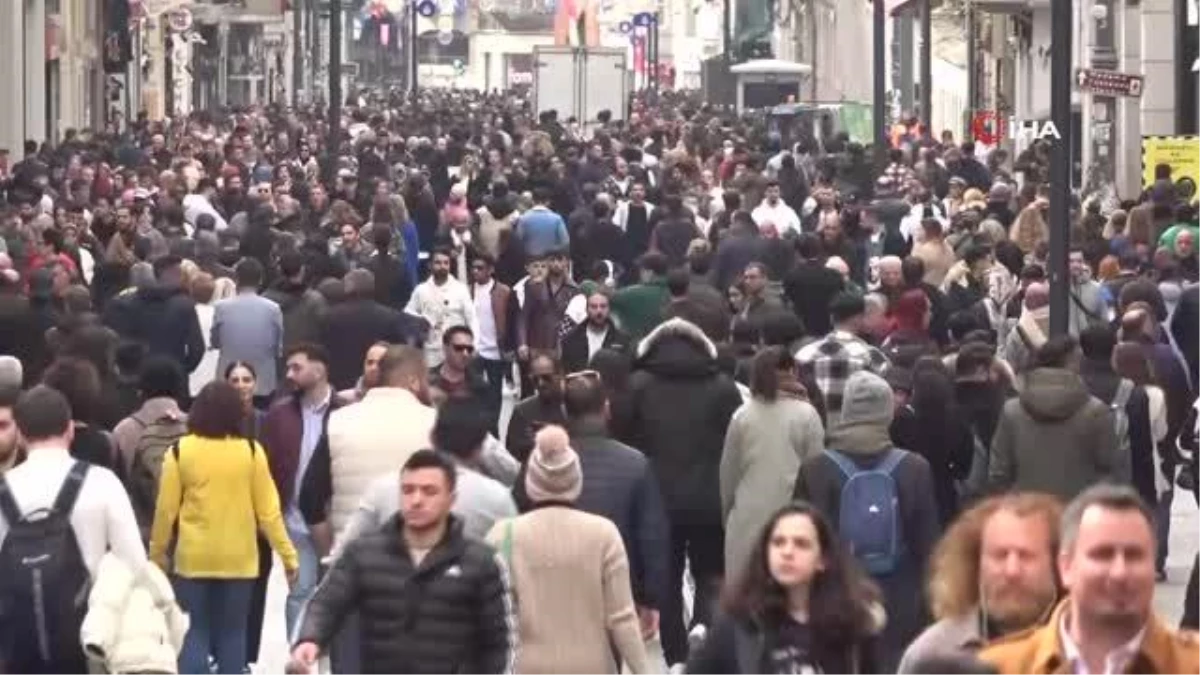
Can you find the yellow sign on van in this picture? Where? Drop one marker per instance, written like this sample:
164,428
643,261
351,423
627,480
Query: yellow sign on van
1181,153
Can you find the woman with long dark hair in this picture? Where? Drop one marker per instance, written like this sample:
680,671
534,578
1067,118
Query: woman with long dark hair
244,379
800,605
931,426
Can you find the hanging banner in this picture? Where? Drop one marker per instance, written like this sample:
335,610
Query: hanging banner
576,23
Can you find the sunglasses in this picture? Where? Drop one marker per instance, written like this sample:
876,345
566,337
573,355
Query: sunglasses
463,349
583,375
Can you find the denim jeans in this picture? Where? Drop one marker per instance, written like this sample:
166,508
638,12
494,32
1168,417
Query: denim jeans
306,581
218,609
258,601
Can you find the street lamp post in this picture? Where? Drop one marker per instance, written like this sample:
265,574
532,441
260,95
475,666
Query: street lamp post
926,9
297,53
416,10
1061,84
413,66
727,31
879,52
334,139
972,66
654,58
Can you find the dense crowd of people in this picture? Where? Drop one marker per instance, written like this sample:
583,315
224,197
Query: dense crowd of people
780,409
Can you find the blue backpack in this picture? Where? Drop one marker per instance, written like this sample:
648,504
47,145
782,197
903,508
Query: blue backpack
869,512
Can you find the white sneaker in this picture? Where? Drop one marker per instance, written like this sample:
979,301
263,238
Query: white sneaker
677,668
697,636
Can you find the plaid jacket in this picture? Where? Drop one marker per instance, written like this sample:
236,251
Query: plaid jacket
831,361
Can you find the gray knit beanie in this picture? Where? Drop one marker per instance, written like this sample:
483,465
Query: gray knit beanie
867,399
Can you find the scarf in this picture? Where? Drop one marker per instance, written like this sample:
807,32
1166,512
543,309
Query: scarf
1035,323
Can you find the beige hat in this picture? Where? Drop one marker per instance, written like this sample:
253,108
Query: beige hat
553,473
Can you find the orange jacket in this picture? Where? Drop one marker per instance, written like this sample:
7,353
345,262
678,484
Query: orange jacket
1039,650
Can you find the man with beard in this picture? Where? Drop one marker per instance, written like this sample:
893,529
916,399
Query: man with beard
596,333
444,302
543,408
544,308
370,375
1106,623
11,453
990,575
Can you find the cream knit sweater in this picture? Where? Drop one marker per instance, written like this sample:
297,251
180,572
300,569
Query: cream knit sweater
570,580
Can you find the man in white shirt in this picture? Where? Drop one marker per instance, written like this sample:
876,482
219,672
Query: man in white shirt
90,498
443,301
635,206
499,314
923,206
775,211
103,516
200,202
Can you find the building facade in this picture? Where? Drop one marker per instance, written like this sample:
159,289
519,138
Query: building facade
1150,38
51,72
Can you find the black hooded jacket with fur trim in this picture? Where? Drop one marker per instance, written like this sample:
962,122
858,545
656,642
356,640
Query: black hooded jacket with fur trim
682,405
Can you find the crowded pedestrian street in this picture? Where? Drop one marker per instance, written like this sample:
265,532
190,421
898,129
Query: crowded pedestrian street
523,336
1169,595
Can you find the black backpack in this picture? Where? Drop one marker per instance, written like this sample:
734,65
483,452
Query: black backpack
44,584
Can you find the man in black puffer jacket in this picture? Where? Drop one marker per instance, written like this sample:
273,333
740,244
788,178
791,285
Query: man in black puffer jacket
429,599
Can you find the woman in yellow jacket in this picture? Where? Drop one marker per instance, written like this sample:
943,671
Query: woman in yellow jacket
216,487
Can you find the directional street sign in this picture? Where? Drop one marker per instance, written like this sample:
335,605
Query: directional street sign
1109,82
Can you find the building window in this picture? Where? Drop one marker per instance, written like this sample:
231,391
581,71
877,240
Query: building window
432,52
